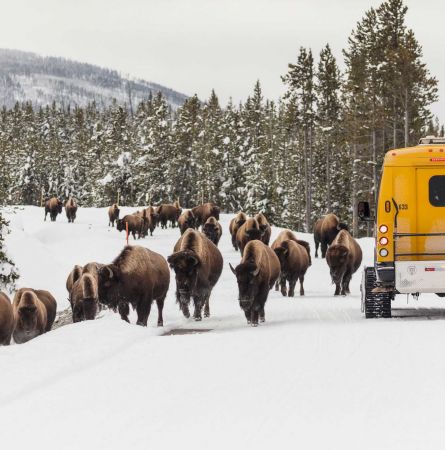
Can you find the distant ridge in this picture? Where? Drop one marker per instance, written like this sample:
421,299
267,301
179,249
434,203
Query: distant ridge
26,76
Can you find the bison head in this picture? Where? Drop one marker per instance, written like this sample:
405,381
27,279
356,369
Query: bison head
108,285
254,233
27,316
342,226
120,225
59,206
215,212
247,277
186,265
337,258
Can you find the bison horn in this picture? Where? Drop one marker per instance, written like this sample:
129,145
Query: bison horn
232,269
110,272
256,272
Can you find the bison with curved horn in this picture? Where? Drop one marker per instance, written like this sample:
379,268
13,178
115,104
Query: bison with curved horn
234,226
344,257
256,274
6,319
137,277
325,231
212,229
53,206
197,263
34,314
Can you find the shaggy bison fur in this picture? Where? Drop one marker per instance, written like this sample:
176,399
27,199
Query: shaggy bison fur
168,213
6,319
234,226
197,263
249,231
264,227
212,229
344,257
113,214
135,225
203,212
256,274
53,206
186,220
325,231
34,314
71,209
137,277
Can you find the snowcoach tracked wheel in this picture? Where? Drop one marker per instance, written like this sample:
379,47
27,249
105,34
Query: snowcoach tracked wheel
374,304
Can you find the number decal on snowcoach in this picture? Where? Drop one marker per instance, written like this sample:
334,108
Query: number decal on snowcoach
403,205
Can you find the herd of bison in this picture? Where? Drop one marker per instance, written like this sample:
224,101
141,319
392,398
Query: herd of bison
139,276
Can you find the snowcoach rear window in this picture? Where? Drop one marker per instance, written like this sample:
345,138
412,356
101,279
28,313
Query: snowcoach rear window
437,190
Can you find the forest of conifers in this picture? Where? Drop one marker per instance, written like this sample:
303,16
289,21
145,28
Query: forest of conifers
317,149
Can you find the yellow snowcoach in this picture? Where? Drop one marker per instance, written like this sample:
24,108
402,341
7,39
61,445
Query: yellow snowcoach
409,229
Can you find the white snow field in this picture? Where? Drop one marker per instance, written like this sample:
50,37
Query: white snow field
316,375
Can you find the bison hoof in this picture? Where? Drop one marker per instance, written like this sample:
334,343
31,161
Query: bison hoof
198,319
254,324
262,319
206,314
160,324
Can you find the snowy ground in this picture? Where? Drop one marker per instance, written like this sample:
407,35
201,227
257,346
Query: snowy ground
315,376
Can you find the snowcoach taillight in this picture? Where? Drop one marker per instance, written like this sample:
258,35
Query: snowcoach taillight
383,240
383,229
383,252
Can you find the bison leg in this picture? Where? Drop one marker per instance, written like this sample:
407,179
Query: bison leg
301,278
124,310
185,310
283,285
199,303
262,315
324,249
345,284
254,317
160,303
292,284
207,306
248,314
143,310
317,243
337,288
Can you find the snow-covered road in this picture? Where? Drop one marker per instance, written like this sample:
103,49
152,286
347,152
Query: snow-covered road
315,375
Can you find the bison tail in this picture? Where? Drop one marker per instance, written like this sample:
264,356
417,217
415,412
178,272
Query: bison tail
307,248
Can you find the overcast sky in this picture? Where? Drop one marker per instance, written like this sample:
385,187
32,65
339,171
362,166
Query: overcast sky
196,45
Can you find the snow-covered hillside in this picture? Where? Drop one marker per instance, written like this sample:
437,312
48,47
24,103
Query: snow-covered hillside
316,375
28,77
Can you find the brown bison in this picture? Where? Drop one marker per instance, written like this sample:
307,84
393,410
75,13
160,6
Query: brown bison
137,277
168,213
256,274
203,212
286,235
73,276
198,264
152,218
264,227
71,209
6,319
84,298
234,226
212,229
145,227
186,220
344,257
34,314
113,214
53,206
325,231
294,262
135,225
249,231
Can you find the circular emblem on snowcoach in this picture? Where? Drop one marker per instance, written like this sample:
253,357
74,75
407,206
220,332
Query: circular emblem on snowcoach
412,270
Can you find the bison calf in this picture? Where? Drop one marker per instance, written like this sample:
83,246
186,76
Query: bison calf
256,274
344,257
197,263
6,319
34,314
137,277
